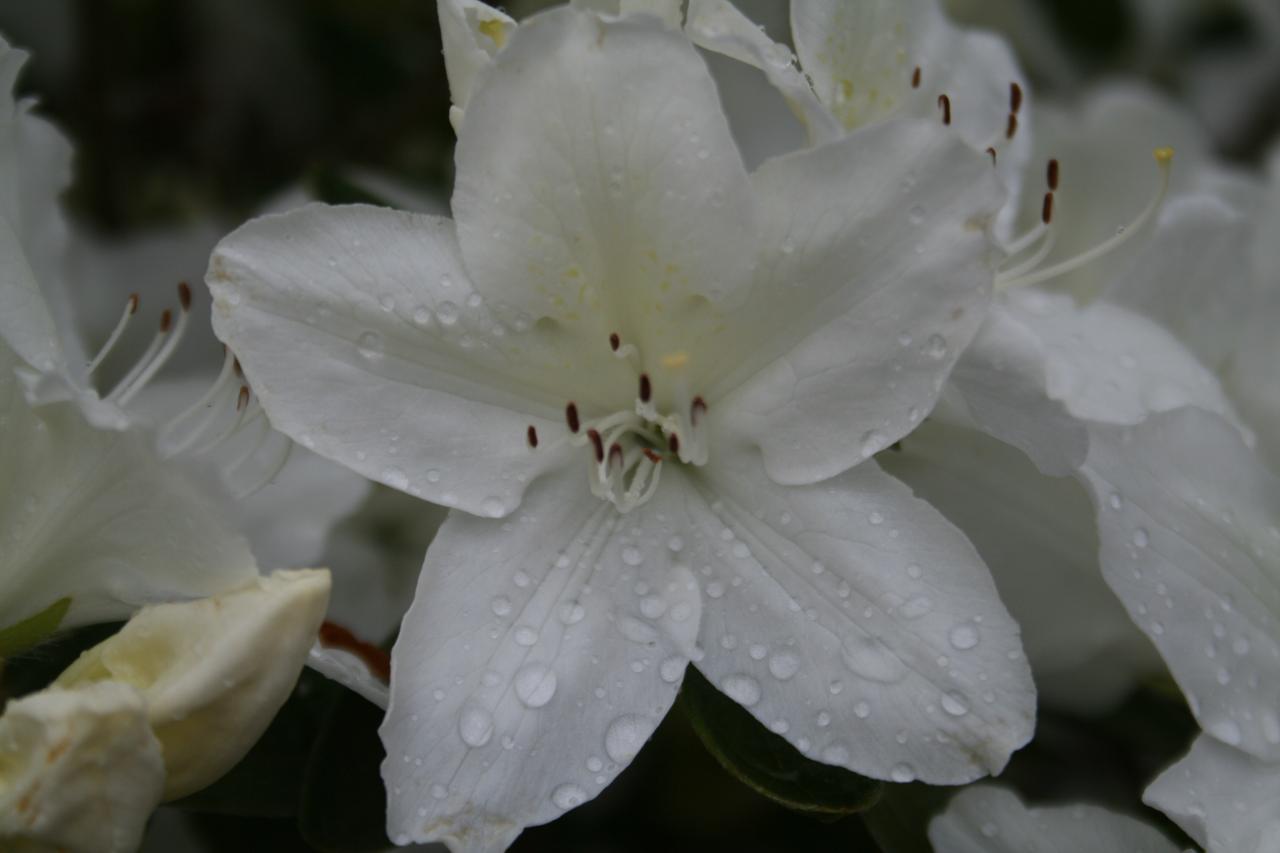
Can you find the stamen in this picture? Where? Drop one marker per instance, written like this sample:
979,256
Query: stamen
571,417
130,308
614,341
597,444
992,151
915,78
1051,174
1012,127
271,472
184,295
532,436
697,410
615,455
651,454
218,385
1164,157
141,364
944,103
646,388
1015,97
1046,209
673,443
166,352
242,399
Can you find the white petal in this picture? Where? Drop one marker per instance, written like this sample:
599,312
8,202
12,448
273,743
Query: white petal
667,11
350,671
80,770
717,25
540,653
1226,800
855,620
359,332
92,514
213,672
472,34
1039,538
873,273
1001,387
26,325
862,58
1111,365
598,184
1191,544
987,819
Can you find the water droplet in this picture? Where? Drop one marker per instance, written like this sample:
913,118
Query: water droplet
446,280
743,689
535,684
1226,731
475,726
474,301
784,665
632,556
876,518
715,589
501,605
526,636
915,215
936,347
447,313
493,507
388,304
653,607
862,710
964,636
836,753
872,443
902,773
422,315
871,659
915,607
369,345
676,544
672,669
625,736
433,476
1115,501
1140,538
571,612
990,830
954,704
824,719
568,796
395,478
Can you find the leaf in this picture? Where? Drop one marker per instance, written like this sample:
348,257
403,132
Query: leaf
30,631
344,801
765,762
900,820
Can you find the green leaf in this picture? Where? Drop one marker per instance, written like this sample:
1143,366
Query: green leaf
30,631
765,762
344,801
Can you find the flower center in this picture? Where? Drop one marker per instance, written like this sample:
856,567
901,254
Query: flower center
628,448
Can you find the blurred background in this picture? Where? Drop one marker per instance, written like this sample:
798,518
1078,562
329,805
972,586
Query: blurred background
189,116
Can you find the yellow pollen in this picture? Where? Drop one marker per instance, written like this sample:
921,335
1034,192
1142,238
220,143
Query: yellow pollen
675,360
1163,154
493,29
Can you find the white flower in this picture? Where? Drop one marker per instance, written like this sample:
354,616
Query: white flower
987,819
651,384
157,711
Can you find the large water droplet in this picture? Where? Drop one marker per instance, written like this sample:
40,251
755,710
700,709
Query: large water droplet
475,726
369,345
501,605
784,665
535,684
743,689
871,659
625,736
964,636
395,478
447,313
568,796
672,669
526,636
954,704
902,773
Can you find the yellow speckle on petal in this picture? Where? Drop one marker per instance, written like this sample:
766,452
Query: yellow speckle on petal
675,360
494,29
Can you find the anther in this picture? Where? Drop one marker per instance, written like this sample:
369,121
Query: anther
597,443
615,454
915,78
571,417
652,455
130,308
184,295
532,436
1051,174
1012,127
166,320
133,303
673,443
944,104
696,410
242,399
992,151
646,388
1046,209
614,341
1015,97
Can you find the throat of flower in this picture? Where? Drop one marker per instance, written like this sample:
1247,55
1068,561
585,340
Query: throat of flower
628,449
1028,252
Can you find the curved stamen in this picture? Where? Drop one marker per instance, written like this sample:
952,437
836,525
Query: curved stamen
275,469
130,308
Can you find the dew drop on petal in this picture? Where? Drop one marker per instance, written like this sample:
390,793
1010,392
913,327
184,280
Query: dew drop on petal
571,612
369,345
447,313
631,556
954,704
568,796
501,605
493,507
1140,538
743,689
475,726
902,773
872,443
395,478
535,684
672,669
526,636
784,665
625,736
964,636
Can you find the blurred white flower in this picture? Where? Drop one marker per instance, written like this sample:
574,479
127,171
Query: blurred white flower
687,368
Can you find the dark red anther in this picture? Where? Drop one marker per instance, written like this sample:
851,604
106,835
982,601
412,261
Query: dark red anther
652,455
532,436
697,409
597,443
915,78
673,443
615,453
571,417
992,151
333,635
184,295
646,388
1015,97
1046,210
166,320
1051,174
242,399
614,341
133,303
1012,127
944,103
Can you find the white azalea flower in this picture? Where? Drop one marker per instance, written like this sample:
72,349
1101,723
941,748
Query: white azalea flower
643,378
1225,799
157,711
987,819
